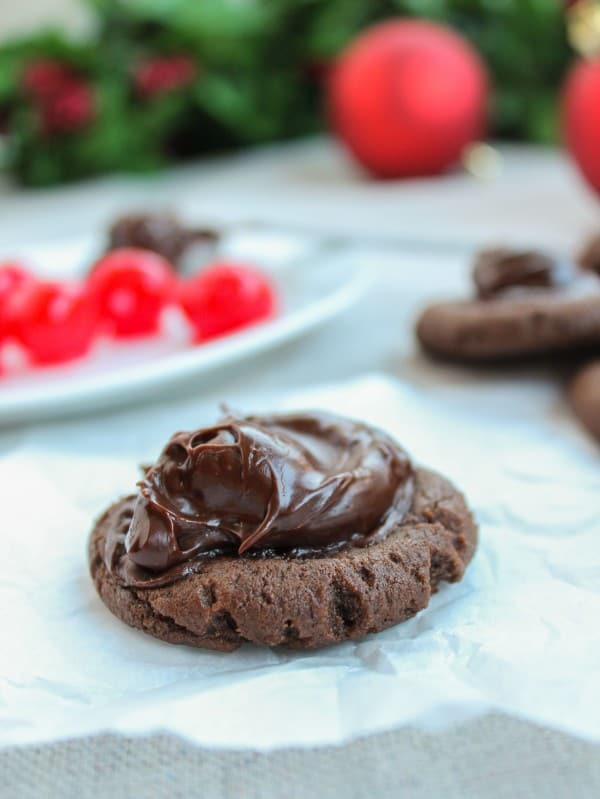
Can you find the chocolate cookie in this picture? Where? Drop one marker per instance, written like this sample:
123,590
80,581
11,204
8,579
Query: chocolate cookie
584,395
303,531
161,231
527,304
589,257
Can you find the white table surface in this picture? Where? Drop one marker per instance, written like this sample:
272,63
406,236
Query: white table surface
538,197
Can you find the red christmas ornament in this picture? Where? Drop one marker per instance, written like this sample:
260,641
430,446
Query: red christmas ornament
581,92
581,118
407,96
160,75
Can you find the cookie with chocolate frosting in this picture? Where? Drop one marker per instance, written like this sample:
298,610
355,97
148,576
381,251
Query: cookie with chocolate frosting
589,256
584,396
159,231
302,530
527,303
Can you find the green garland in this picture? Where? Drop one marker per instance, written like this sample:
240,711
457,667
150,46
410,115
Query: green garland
257,76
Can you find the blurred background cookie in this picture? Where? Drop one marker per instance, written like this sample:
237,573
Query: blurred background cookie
164,233
526,303
584,396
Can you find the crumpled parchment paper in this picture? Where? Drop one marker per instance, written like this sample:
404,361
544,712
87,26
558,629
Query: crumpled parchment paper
520,633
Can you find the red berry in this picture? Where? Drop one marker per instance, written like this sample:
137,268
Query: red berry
45,76
164,74
68,109
133,287
13,279
225,297
407,96
55,322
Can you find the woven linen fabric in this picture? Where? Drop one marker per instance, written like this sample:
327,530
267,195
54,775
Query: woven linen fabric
494,757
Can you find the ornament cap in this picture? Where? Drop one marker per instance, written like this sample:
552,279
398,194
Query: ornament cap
482,161
583,27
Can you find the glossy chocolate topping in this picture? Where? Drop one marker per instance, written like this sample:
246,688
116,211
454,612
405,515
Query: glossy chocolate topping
499,270
299,484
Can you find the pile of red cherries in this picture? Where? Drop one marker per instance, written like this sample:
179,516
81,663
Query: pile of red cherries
124,296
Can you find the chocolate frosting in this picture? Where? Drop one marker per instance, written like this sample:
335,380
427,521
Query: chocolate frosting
499,270
298,484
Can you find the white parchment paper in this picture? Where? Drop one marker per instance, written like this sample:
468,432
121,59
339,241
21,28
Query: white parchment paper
519,634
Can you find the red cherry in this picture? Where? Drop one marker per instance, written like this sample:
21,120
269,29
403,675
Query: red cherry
132,287
55,322
13,278
226,297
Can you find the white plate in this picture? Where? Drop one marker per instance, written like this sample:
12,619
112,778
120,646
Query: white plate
314,282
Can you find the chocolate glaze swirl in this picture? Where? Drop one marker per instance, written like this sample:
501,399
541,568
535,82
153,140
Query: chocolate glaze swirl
298,484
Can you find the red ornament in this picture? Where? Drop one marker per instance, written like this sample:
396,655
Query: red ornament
226,297
55,322
581,118
407,97
132,287
164,74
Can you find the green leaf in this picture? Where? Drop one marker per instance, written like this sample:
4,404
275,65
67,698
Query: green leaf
256,78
